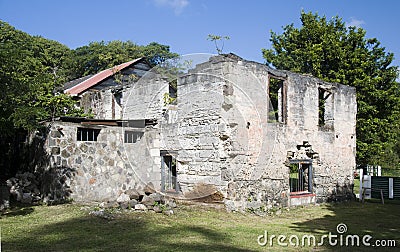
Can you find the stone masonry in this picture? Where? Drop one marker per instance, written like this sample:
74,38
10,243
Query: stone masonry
223,132
226,138
105,168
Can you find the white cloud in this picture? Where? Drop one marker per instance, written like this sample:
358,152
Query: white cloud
176,5
355,22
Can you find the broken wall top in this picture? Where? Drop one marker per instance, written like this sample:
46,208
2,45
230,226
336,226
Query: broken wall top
275,73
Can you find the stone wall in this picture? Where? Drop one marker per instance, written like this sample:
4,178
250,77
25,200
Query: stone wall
336,146
134,101
145,99
226,139
221,134
105,168
103,104
199,131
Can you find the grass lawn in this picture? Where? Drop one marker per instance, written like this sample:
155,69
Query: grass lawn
191,228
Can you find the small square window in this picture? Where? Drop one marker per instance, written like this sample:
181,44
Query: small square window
132,136
87,134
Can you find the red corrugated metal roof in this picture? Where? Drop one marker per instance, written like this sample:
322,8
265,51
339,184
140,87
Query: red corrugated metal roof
97,78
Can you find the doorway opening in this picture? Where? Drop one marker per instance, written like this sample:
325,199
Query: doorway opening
169,181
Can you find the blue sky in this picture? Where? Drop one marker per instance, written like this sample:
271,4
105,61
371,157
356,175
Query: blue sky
185,24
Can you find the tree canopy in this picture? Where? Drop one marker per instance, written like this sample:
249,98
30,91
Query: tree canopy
98,56
32,68
331,51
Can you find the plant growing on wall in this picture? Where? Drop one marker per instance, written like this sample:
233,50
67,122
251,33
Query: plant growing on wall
218,41
168,99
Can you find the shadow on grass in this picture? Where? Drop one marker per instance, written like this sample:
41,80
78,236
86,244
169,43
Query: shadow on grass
134,233
382,222
19,211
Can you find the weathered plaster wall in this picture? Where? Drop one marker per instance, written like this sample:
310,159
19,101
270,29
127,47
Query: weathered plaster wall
336,145
134,101
145,99
103,104
221,135
226,139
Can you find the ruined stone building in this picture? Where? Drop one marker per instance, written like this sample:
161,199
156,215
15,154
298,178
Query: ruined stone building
259,136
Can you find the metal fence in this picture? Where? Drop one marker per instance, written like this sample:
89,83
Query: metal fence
388,187
374,183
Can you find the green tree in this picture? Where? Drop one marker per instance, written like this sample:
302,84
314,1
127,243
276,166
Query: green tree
157,53
98,56
31,68
329,50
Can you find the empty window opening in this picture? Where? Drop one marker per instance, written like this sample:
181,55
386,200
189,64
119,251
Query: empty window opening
300,178
325,108
118,98
87,134
173,91
169,182
132,136
277,100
